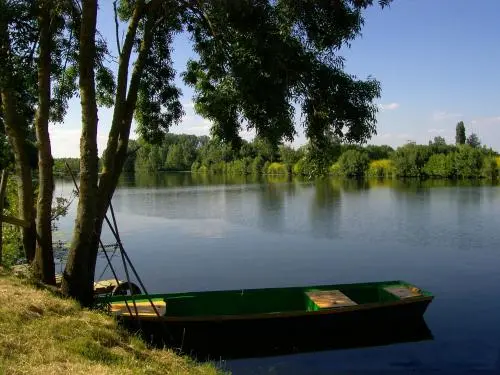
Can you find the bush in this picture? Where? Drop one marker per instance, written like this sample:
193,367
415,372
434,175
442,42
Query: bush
334,169
441,165
489,168
353,163
257,165
468,161
277,168
195,167
13,250
409,160
298,168
237,167
203,169
265,167
381,168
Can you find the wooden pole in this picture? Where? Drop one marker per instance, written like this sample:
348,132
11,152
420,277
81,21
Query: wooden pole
3,188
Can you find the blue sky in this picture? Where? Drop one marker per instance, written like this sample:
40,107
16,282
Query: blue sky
437,60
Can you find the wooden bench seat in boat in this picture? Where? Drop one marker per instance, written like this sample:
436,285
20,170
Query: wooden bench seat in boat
142,308
403,292
327,299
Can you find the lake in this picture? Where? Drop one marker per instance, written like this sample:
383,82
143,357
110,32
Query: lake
190,233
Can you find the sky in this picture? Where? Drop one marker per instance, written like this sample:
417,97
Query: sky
437,61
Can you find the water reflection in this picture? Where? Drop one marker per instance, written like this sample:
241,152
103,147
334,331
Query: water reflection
252,340
325,209
272,201
355,185
198,232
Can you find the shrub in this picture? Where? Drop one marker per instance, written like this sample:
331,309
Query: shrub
381,168
353,163
334,169
490,167
468,161
298,168
203,169
409,160
441,165
257,165
237,167
265,167
277,168
195,166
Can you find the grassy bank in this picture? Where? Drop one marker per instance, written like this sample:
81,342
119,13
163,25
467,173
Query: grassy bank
43,334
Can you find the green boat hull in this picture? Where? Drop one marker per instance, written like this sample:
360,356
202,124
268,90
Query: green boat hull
380,299
284,319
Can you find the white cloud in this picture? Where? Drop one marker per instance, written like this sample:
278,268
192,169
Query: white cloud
389,107
436,131
444,115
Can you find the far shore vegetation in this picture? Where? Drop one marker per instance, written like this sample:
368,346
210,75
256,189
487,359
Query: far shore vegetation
465,159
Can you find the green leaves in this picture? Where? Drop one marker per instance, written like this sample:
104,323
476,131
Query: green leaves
158,106
259,58
460,133
353,163
105,86
64,88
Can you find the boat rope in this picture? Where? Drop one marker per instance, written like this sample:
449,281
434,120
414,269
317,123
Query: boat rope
108,263
117,236
125,260
101,243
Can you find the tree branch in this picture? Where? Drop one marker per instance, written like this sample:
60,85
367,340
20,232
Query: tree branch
121,88
117,29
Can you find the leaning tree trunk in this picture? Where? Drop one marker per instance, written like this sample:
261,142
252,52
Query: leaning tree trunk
16,129
43,266
17,138
94,202
78,275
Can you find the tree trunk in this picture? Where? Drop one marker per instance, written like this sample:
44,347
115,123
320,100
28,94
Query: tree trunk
17,138
43,266
3,189
16,127
78,276
94,202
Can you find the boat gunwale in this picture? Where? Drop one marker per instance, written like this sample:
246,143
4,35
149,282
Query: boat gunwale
194,293
287,314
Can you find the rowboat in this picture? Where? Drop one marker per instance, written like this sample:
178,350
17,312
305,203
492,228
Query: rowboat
388,299
355,312
375,300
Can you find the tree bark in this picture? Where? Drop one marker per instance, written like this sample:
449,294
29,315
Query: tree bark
116,150
3,189
43,265
17,138
78,275
94,201
16,127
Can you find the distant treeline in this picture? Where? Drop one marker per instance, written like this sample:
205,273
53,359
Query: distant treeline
181,152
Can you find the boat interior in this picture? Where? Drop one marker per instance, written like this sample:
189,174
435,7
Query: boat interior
265,301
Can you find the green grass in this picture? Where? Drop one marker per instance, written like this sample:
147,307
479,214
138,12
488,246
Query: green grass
44,334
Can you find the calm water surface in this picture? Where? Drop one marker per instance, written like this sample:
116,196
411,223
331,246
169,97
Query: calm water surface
191,233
